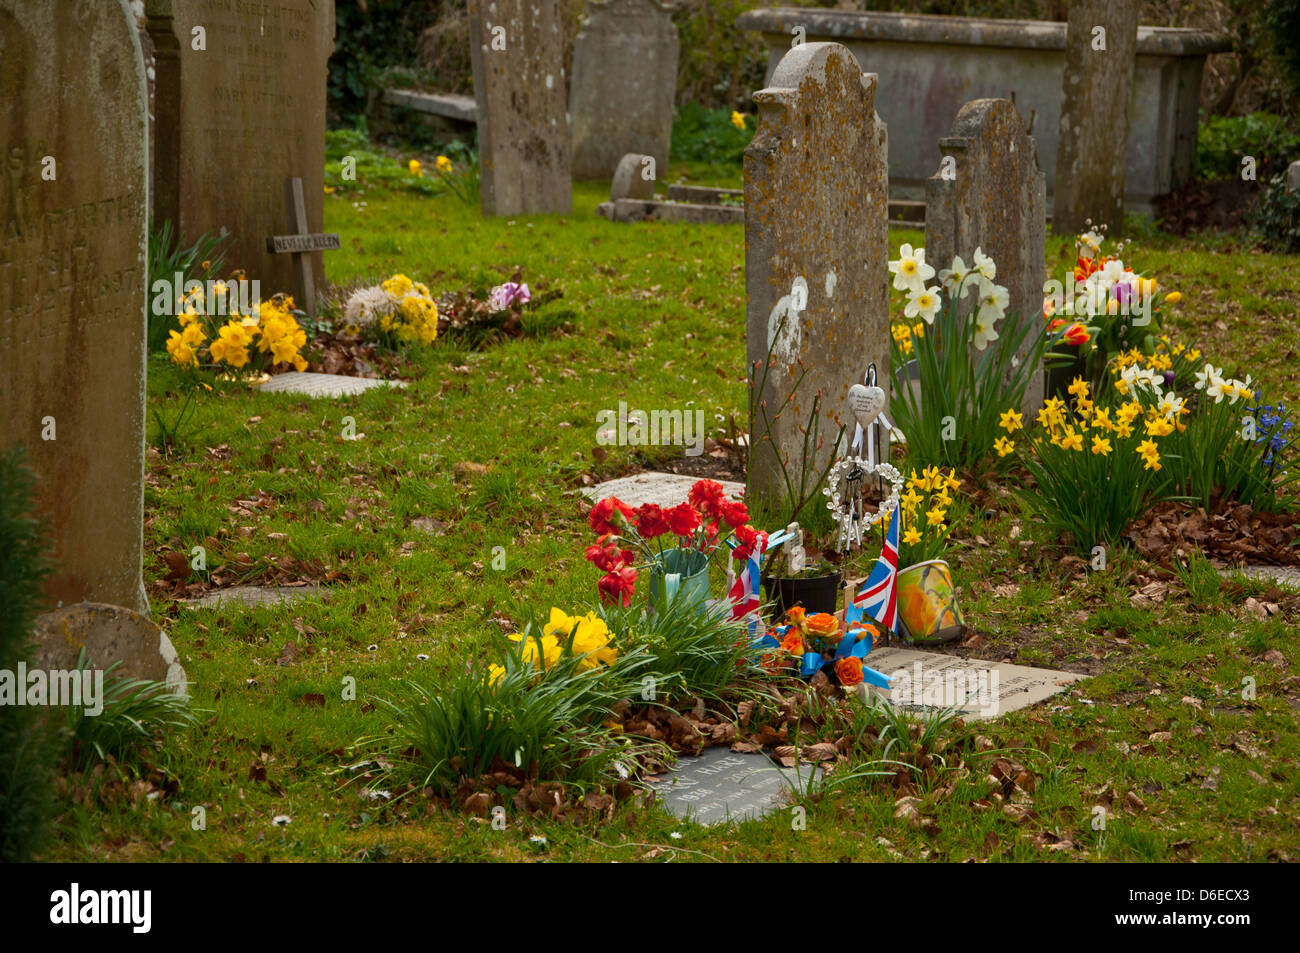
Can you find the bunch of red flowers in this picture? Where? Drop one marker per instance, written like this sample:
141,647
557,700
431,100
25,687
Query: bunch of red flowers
700,523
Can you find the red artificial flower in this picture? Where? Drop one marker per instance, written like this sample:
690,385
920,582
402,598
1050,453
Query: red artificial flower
748,538
735,514
1076,334
683,519
617,586
608,557
606,515
705,491
650,521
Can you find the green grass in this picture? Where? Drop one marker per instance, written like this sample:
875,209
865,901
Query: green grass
659,318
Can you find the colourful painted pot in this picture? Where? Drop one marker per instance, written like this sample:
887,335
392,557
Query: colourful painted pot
927,603
682,574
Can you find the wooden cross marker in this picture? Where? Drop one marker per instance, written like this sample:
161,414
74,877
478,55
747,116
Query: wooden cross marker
300,243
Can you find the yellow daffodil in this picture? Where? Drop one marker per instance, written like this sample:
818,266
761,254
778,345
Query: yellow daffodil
1003,446
415,169
935,517
1100,445
1011,421
443,164
1071,440
912,536
1078,387
738,119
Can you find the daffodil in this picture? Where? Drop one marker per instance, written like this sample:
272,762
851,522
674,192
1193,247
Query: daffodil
910,270
1011,421
935,517
1078,387
738,119
1100,445
1004,446
923,303
415,169
443,164
911,535
1071,440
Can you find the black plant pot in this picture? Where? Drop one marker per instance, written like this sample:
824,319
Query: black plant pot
814,593
1058,378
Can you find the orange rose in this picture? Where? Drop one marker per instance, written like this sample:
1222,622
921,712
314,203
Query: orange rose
823,624
849,670
795,616
866,630
792,643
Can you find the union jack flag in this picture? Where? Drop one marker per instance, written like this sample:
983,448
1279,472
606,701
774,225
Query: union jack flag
744,594
878,596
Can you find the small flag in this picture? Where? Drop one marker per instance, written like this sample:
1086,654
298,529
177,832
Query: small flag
878,596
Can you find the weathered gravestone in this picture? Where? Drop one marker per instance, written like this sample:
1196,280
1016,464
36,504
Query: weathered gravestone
517,50
108,635
633,178
990,194
240,107
1100,53
816,250
624,85
1293,177
72,283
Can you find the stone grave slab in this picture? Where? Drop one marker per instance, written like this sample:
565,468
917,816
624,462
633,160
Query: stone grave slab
721,785
253,596
454,106
109,634
1282,575
665,489
73,130
978,688
323,385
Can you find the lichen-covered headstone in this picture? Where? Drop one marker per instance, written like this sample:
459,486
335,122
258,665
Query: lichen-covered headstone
72,283
624,85
989,193
240,107
1100,54
517,50
816,251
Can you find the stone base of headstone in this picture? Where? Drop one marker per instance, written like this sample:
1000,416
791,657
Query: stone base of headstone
109,634
1282,575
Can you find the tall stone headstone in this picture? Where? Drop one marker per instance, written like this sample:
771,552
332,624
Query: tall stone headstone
517,50
816,250
1100,54
989,193
73,130
240,107
624,85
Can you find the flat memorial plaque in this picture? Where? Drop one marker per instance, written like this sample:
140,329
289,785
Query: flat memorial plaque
977,688
322,385
665,489
721,785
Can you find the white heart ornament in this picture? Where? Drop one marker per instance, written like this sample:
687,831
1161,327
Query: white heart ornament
866,402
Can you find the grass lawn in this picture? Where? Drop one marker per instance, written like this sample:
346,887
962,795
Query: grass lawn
1160,737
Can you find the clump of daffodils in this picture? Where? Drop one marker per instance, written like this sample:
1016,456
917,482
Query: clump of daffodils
397,312
249,343
925,506
912,274
584,637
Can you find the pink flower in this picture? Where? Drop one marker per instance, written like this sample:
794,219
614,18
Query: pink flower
503,296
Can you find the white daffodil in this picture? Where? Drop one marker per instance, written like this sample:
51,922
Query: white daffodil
1218,388
993,301
984,331
922,302
985,265
1170,404
1113,272
952,277
910,270
1141,379
1203,377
